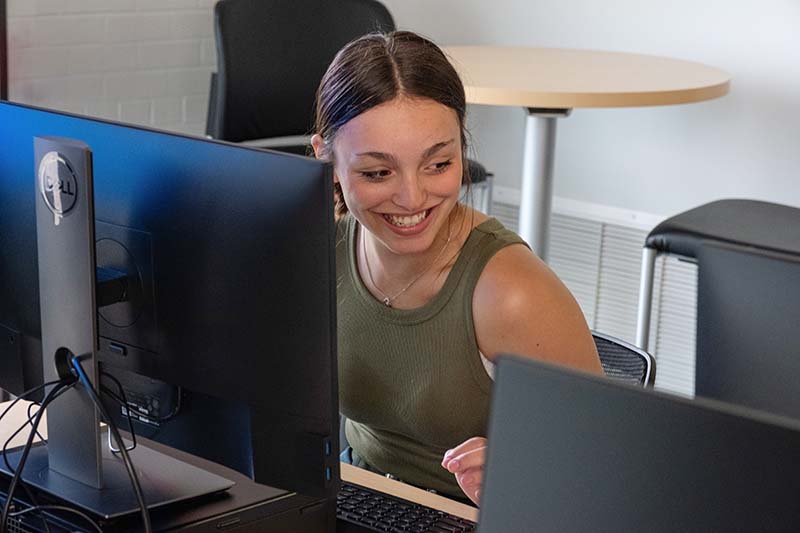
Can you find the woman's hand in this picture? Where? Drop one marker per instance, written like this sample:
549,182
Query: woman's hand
466,462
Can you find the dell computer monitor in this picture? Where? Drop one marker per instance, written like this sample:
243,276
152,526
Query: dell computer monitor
226,338
572,452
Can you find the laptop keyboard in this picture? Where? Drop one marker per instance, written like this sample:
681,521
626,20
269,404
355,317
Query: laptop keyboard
381,512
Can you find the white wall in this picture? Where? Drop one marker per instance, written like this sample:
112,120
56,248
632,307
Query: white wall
658,160
148,62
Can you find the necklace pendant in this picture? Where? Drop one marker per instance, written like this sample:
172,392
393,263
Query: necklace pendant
387,302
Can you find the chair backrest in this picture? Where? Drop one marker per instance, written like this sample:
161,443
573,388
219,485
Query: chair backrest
271,56
624,361
748,340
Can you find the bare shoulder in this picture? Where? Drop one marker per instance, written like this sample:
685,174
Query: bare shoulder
520,306
512,279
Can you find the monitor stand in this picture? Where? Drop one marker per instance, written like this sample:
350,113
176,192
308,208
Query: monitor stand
164,480
75,466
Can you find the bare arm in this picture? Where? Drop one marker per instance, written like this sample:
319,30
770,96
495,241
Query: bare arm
521,307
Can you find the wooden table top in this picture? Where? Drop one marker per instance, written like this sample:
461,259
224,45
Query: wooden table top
370,480
564,79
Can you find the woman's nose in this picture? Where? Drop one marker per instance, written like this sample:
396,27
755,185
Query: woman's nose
410,194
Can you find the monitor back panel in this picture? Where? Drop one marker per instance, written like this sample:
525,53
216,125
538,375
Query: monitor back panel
569,452
217,234
232,249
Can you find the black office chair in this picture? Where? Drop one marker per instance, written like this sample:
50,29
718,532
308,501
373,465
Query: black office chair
271,56
625,362
748,298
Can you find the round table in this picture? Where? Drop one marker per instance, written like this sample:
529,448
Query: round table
550,82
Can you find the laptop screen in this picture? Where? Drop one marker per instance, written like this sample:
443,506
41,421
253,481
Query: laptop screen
571,452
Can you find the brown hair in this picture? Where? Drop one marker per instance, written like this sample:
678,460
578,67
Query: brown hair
377,68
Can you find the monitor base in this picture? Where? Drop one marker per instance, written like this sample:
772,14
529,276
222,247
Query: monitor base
164,480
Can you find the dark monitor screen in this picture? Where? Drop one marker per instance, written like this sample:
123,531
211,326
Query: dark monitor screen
570,452
231,250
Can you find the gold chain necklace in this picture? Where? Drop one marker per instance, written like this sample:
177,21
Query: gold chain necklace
387,300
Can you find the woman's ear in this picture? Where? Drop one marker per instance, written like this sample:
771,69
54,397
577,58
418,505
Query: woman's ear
317,144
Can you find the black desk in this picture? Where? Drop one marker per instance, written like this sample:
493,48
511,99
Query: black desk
260,508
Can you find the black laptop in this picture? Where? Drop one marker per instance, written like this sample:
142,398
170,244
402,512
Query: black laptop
571,452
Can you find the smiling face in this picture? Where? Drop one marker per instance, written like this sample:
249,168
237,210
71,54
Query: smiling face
400,166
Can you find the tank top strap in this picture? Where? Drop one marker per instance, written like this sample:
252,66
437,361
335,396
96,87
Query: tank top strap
484,241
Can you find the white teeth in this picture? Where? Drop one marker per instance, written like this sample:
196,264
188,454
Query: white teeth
405,222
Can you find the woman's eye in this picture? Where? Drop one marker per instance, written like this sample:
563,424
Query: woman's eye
441,166
375,174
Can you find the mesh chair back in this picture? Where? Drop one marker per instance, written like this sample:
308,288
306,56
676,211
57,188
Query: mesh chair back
271,56
625,362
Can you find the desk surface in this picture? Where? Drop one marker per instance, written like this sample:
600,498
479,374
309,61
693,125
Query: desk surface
564,79
370,480
349,473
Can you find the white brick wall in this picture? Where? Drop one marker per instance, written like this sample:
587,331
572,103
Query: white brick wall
146,62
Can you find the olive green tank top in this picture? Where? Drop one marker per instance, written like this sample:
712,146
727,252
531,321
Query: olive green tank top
411,381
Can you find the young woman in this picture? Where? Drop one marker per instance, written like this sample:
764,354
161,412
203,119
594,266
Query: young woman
429,290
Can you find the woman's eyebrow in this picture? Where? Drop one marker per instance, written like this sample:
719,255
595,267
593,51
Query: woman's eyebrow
378,155
436,147
383,156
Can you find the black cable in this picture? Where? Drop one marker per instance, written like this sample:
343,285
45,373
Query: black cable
122,401
29,421
28,393
141,414
25,451
104,374
63,508
24,395
150,425
137,489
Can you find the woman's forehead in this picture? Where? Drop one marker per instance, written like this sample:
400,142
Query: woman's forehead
402,124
